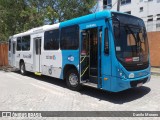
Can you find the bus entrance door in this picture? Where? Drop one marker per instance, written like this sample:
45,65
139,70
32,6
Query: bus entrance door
89,57
37,54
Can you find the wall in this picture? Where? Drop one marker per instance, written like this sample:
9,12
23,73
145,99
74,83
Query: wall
154,44
3,54
149,8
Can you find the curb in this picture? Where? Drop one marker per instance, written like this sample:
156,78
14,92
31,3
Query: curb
155,73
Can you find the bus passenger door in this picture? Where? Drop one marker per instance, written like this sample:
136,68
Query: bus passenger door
13,50
37,54
85,56
89,57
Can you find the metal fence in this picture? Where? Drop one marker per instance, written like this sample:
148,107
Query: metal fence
3,53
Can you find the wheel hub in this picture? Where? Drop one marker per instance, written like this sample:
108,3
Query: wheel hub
73,79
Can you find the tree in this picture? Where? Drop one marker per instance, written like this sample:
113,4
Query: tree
20,15
61,10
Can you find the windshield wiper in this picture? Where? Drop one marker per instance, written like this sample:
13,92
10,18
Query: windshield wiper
131,32
128,28
139,41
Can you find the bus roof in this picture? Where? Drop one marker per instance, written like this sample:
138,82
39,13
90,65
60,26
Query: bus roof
86,18
38,29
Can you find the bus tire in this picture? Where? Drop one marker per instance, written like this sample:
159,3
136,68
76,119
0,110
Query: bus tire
23,68
72,80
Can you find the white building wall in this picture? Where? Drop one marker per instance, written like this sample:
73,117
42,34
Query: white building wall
150,7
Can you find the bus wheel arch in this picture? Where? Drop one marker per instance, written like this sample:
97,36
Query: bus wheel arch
67,68
71,77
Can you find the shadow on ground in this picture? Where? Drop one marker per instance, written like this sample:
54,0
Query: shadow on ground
117,98
120,97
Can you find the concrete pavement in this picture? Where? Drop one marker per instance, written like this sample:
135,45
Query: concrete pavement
41,93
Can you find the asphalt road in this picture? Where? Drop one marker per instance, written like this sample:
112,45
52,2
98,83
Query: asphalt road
41,93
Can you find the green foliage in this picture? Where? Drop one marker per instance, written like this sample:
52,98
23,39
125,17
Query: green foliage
20,15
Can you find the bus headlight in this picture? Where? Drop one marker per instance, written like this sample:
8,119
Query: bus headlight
131,75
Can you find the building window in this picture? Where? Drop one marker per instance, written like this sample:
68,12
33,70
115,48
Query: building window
150,0
107,3
150,18
26,43
158,25
123,2
69,38
158,16
128,12
19,42
51,40
140,0
141,9
158,1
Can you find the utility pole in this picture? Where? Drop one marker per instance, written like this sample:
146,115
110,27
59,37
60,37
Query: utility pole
118,5
100,5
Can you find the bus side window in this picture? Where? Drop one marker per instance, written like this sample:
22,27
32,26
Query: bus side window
9,45
19,46
69,39
36,44
51,40
25,43
14,48
106,42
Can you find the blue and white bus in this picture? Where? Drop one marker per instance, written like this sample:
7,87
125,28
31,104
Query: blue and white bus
107,50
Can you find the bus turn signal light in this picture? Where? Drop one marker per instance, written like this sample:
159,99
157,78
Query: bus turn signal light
105,78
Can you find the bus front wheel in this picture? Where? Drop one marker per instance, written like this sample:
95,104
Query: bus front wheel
72,80
22,68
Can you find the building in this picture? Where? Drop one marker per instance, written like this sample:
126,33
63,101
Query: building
148,10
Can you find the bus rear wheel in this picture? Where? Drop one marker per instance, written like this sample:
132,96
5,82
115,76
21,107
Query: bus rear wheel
22,68
72,80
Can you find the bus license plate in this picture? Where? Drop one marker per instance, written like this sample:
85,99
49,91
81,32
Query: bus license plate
139,84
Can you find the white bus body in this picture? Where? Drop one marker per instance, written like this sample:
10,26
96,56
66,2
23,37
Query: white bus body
36,62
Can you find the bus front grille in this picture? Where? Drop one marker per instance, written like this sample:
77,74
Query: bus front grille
134,83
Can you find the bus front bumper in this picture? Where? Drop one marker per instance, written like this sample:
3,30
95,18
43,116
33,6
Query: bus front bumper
119,84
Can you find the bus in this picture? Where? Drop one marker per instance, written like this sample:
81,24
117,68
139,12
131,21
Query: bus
107,50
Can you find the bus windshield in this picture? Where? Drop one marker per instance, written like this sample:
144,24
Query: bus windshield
131,44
